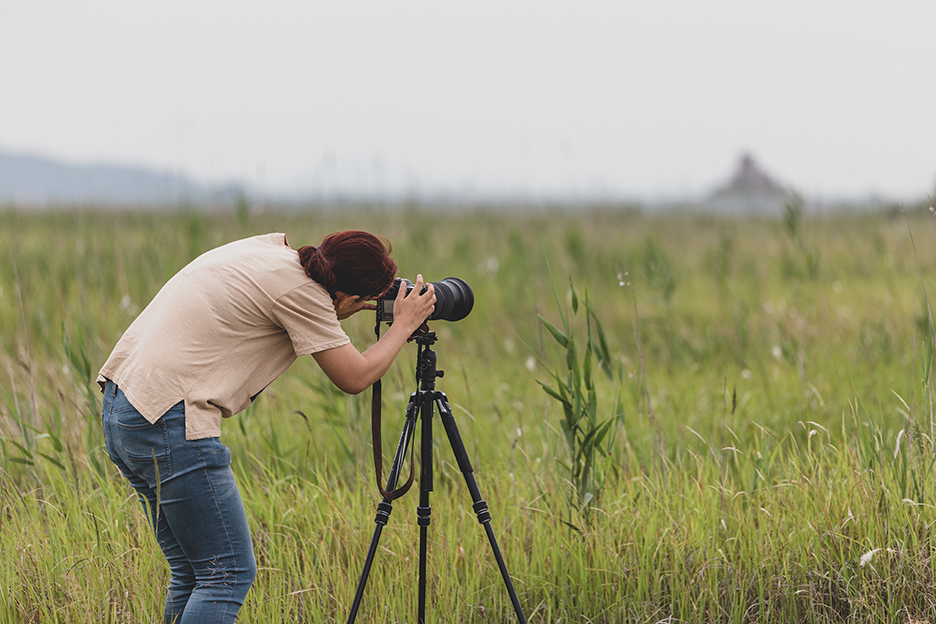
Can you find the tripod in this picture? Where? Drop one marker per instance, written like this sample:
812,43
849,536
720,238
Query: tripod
421,404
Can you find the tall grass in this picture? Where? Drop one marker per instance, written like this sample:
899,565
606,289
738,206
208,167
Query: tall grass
787,475
573,385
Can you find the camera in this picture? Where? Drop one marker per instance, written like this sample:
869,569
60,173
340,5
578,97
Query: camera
454,299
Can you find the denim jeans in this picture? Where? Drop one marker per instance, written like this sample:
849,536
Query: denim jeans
190,496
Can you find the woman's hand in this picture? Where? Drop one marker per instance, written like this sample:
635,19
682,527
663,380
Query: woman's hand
346,305
413,309
353,371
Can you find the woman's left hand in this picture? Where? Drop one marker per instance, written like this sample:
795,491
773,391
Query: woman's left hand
346,305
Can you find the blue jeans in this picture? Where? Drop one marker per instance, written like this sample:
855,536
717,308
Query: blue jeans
190,496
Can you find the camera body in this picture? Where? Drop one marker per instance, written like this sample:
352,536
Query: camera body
454,299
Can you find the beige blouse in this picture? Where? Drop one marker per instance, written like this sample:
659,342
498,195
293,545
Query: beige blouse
220,331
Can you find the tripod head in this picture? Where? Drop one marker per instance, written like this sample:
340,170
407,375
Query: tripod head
427,339
426,372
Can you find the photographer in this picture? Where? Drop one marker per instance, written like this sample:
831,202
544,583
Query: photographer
214,337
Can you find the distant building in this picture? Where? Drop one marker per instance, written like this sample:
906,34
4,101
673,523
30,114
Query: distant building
750,191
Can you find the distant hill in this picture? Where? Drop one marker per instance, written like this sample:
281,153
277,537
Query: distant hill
29,180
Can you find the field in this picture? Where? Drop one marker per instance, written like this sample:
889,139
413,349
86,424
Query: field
748,434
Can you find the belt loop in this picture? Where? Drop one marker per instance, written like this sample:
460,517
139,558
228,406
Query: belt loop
113,389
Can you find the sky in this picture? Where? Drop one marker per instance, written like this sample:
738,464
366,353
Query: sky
622,99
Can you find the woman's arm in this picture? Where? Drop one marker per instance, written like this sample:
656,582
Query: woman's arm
353,371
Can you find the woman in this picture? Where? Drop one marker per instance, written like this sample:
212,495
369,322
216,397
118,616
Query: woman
213,338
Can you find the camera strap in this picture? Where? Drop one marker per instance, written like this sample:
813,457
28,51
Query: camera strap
378,452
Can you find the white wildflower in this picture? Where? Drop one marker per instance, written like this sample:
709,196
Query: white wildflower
867,557
622,281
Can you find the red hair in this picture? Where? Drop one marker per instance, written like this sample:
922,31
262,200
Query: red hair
354,262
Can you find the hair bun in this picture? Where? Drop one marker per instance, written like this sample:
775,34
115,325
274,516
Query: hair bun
353,262
317,266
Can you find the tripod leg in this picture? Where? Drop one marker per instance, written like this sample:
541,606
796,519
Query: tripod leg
480,507
424,510
385,507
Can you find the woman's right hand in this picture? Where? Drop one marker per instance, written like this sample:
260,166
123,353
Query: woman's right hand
411,310
353,371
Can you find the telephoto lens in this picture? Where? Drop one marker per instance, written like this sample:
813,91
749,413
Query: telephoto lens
454,299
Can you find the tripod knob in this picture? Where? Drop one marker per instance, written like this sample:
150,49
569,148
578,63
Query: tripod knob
440,373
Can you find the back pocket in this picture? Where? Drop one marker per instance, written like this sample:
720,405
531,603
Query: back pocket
145,446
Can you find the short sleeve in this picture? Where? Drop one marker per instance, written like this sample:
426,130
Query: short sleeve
308,316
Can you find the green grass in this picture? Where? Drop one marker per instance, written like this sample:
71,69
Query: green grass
777,431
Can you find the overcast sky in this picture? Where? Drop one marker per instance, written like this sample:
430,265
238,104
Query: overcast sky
636,99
